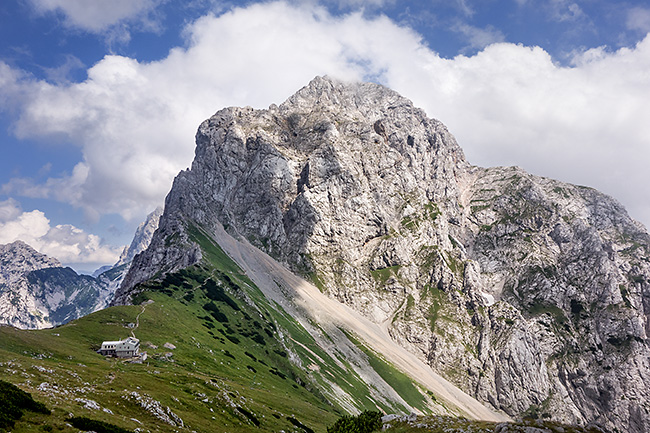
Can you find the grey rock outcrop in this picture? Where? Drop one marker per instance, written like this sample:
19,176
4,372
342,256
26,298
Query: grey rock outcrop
528,293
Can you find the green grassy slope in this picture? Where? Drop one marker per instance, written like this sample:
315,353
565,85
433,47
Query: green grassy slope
209,381
239,362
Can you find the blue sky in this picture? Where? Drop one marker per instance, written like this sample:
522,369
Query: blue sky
99,100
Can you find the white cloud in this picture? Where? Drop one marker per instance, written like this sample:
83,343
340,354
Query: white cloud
477,37
61,73
638,18
68,244
66,189
465,8
135,122
9,210
509,104
565,10
99,16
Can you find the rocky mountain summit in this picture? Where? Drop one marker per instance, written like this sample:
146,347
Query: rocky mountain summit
530,294
112,276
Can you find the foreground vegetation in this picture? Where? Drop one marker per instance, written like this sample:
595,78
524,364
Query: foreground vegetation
14,403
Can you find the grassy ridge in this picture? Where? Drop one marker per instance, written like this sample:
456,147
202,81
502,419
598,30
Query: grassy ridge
210,381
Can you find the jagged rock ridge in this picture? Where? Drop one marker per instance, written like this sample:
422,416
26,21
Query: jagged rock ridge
528,293
112,277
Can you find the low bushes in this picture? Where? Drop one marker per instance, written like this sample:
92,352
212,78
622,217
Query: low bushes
366,422
14,402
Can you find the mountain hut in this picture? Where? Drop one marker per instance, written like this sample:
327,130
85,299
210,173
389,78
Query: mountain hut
128,348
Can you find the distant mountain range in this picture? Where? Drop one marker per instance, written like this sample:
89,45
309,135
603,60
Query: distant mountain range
37,292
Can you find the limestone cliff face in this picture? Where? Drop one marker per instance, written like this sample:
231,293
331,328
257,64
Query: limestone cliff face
528,293
568,271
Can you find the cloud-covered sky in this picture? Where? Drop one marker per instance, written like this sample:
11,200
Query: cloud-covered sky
99,101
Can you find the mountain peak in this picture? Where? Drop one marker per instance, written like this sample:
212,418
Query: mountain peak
353,102
36,292
346,95
524,291
18,258
352,145
142,237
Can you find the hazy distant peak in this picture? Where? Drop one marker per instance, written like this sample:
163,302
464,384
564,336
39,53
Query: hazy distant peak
142,237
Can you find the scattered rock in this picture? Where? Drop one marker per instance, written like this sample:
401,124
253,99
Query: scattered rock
163,413
88,404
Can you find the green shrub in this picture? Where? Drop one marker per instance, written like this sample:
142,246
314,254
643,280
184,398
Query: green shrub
278,373
232,339
214,311
87,424
298,424
366,422
249,415
173,280
14,402
258,339
216,293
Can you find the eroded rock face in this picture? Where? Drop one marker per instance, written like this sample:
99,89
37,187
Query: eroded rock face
528,293
574,268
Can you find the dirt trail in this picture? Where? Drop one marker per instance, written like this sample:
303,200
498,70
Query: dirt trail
298,296
137,318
